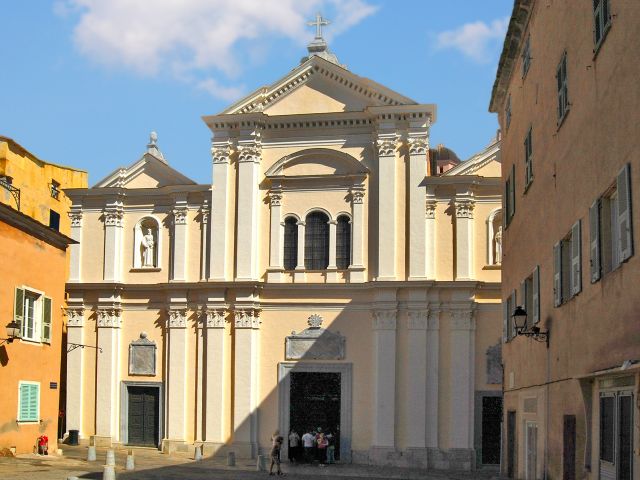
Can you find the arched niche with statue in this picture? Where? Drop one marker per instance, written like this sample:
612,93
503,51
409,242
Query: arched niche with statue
146,243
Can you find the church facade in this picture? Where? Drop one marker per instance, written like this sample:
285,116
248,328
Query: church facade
327,277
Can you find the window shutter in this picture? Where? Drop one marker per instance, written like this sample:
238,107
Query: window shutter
523,296
535,295
18,307
625,233
512,193
557,275
46,320
594,240
576,254
505,321
29,402
513,303
23,410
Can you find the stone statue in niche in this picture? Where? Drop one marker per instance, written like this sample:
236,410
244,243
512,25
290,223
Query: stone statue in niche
148,245
497,239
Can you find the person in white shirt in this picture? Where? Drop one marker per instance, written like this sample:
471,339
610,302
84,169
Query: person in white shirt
294,446
308,441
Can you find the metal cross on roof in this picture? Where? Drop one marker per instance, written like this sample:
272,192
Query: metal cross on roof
319,23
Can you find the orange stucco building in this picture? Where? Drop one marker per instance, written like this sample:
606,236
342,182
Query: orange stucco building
34,222
567,98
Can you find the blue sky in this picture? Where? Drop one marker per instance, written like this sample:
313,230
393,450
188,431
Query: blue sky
85,81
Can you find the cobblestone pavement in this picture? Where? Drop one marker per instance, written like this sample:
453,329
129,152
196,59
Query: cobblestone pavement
151,464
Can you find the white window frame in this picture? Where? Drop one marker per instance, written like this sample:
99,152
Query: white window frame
28,382
567,266
38,312
599,21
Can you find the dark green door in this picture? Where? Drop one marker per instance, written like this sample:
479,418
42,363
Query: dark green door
144,403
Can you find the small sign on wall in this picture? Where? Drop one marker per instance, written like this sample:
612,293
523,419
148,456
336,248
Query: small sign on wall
53,385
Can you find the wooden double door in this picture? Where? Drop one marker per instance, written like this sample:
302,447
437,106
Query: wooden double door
143,415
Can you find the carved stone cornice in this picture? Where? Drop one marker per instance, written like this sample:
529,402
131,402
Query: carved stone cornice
418,145
384,319
275,198
251,152
357,195
246,318
464,208
177,317
213,317
418,319
180,215
463,319
430,209
109,317
75,316
221,152
76,218
386,146
114,217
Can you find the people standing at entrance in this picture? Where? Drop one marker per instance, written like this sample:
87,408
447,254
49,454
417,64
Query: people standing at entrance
276,444
294,446
308,442
322,443
331,449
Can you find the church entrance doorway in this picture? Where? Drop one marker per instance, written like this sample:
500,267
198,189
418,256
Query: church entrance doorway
144,403
315,403
313,395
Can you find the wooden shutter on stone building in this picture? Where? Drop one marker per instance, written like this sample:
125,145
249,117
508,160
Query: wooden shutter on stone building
623,186
576,259
535,297
594,241
557,274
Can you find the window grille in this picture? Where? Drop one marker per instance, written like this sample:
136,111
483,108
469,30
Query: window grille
290,243
343,242
316,241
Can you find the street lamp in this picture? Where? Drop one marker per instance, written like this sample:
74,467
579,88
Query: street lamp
520,322
13,332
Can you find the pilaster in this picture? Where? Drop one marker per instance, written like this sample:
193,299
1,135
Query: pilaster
108,323
386,145
113,223
245,405
213,324
356,269
176,374
298,274
433,376
384,368
462,350
75,250
221,205
418,146
430,245
464,206
180,219
204,222
275,273
417,365
332,268
75,364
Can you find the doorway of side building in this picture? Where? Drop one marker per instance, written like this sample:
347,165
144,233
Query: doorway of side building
488,427
531,449
315,403
616,435
317,395
141,420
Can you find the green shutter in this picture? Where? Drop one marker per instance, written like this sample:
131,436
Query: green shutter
18,308
46,320
29,402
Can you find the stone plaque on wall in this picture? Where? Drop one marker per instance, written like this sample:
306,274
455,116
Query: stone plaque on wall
142,356
315,343
494,364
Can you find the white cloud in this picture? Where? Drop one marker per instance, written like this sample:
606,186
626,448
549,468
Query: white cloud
194,39
475,40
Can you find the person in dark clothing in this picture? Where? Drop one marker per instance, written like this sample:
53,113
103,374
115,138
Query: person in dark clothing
276,444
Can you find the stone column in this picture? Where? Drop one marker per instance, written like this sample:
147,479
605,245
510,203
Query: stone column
464,238
220,229
108,375
298,274
418,150
176,379
275,273
430,244
180,227
417,366
356,269
204,221
433,377
245,402
249,155
215,407
462,378
332,268
384,391
75,364
113,222
387,215
75,250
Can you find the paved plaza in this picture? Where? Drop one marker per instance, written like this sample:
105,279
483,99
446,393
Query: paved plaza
152,464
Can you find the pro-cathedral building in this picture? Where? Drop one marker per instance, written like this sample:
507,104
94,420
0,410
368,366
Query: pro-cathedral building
326,278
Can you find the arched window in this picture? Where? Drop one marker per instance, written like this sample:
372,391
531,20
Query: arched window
343,242
290,243
316,241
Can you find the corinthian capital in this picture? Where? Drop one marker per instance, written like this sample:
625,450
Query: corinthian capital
113,217
180,216
221,151
251,152
76,218
177,317
247,318
384,319
214,317
275,198
418,145
418,319
386,146
75,316
464,208
109,317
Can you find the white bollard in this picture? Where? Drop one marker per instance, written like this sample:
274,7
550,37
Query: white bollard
198,453
72,478
231,459
91,454
261,465
109,473
111,458
130,464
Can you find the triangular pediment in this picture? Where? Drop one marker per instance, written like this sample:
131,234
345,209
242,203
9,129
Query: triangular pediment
148,172
318,86
486,163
